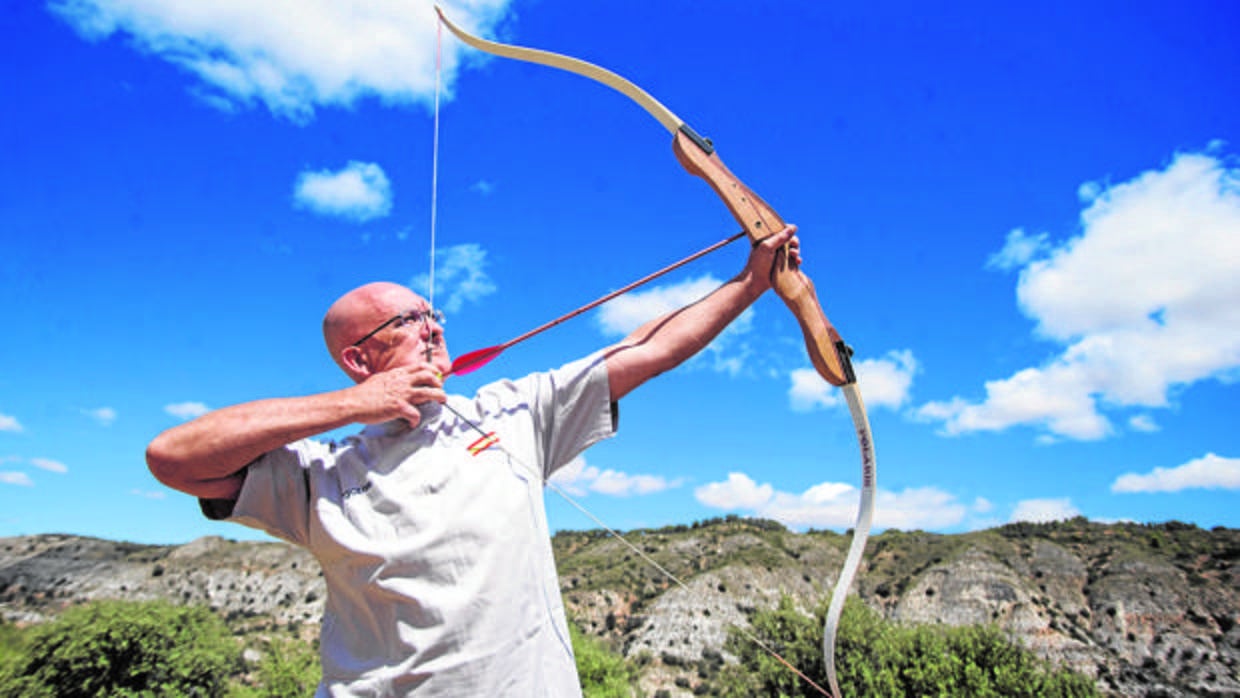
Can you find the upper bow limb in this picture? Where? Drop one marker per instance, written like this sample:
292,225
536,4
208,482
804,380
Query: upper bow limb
827,352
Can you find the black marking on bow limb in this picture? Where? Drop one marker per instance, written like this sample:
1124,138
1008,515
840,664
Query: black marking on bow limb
845,353
703,143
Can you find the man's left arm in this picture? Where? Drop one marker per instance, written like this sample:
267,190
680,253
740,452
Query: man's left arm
664,343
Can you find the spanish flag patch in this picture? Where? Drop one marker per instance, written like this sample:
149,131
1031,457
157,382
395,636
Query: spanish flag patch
483,443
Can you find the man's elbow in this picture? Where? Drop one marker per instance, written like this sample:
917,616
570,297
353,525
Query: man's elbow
161,462
168,465
184,473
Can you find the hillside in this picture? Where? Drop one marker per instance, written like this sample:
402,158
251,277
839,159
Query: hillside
1145,610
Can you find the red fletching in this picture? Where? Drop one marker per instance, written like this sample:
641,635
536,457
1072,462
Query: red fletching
474,360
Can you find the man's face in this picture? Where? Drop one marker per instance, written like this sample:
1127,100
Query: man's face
403,331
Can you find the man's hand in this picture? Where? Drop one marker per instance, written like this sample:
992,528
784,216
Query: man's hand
770,252
396,394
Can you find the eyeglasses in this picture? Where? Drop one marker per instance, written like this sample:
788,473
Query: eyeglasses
405,319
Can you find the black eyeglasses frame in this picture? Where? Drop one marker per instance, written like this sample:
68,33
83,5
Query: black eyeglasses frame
411,316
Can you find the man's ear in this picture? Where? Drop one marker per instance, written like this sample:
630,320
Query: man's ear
355,363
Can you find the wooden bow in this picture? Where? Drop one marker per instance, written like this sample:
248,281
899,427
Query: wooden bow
829,354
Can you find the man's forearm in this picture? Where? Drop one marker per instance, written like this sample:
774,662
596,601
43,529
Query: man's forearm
664,343
204,457
201,456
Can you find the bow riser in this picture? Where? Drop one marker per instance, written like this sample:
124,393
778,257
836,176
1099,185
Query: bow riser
826,350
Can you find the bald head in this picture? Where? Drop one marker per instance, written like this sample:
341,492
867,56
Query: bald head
361,310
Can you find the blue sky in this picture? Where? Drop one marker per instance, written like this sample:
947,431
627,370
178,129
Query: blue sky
1025,219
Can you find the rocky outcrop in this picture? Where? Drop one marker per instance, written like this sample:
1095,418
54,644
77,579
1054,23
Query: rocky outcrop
269,582
1144,610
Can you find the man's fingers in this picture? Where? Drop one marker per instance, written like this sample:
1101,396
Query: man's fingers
783,236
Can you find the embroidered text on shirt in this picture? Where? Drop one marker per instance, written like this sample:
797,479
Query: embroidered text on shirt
356,490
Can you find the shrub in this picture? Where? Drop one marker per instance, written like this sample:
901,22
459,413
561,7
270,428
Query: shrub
119,648
603,673
289,667
878,658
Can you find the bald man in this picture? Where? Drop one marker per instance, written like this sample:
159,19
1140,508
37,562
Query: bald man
429,523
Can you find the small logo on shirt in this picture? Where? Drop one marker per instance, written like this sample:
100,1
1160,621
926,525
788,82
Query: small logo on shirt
483,443
356,490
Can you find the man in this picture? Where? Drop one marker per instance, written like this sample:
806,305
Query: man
429,524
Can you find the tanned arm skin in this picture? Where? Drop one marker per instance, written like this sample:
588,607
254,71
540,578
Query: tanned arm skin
664,343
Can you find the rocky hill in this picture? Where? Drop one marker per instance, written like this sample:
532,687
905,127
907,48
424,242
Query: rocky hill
1146,610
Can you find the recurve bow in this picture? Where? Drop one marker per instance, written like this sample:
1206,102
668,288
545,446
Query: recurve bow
829,354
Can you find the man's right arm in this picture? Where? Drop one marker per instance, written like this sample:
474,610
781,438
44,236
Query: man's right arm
206,457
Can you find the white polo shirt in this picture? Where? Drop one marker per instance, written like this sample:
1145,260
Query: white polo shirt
434,540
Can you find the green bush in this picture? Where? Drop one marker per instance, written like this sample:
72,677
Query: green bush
11,650
603,673
119,648
877,658
289,667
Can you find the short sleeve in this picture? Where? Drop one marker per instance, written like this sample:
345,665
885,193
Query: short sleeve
572,409
275,496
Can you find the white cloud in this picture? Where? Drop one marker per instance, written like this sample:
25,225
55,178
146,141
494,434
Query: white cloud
884,382
1146,299
1089,191
1044,510
737,492
578,478
148,494
1208,472
186,410
11,477
460,277
728,353
1143,422
8,423
359,192
834,504
104,415
291,56
620,316
49,465
1018,250
1052,397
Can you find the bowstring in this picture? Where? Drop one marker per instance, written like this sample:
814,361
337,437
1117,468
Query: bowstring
435,162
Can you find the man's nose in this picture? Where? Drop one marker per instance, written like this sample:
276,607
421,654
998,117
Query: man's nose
430,328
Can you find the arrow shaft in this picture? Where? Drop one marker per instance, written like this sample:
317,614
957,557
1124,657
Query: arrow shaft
490,353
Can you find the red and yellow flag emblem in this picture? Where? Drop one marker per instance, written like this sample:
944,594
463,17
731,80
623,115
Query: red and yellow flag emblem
483,443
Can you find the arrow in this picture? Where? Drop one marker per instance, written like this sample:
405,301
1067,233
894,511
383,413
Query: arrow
474,360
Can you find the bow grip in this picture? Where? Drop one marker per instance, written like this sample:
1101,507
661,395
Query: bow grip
828,352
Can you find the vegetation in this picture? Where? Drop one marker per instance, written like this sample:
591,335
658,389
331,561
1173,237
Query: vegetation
183,651
877,658
289,667
11,648
121,648
603,673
